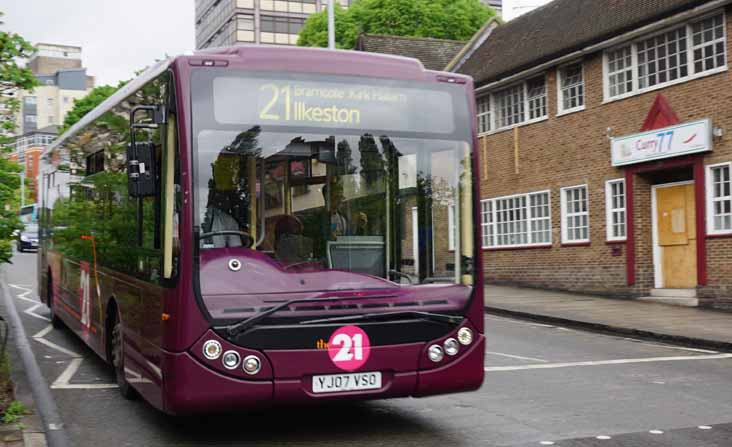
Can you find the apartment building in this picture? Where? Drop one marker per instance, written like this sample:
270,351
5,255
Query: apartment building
62,79
230,22
606,147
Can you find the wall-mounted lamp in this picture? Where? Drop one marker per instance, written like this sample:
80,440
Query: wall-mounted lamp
718,132
609,133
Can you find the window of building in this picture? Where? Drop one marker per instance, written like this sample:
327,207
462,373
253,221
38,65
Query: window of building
484,114
245,28
719,199
248,4
708,43
31,119
691,50
615,207
29,100
514,105
280,30
620,71
575,215
662,58
571,88
536,94
516,221
50,102
510,104
66,99
294,6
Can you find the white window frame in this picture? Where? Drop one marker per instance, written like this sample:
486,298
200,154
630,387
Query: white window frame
691,73
610,211
564,215
710,199
485,99
493,223
494,112
560,91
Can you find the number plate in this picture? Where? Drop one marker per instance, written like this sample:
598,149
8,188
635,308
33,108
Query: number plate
334,383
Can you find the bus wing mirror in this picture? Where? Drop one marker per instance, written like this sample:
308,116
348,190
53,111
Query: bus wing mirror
141,170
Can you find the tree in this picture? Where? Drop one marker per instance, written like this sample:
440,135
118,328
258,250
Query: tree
13,48
87,104
442,19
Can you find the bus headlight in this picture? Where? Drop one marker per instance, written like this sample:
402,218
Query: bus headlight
435,353
251,364
231,359
212,349
451,346
465,336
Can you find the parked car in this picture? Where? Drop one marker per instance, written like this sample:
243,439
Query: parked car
28,238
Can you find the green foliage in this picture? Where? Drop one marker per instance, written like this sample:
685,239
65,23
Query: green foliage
442,19
14,412
13,49
87,103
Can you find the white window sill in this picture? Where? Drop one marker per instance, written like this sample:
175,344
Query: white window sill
718,233
525,123
716,71
518,247
570,111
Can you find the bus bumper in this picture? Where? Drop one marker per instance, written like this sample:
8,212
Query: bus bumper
191,387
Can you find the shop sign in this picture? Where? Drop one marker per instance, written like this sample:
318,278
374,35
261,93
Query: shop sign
673,141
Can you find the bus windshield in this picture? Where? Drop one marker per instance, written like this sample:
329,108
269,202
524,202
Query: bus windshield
334,175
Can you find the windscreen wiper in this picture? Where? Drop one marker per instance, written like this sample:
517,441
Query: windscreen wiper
442,318
237,328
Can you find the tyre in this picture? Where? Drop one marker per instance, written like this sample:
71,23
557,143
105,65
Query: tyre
20,248
56,321
118,360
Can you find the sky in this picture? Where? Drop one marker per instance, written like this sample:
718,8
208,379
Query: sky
514,8
118,37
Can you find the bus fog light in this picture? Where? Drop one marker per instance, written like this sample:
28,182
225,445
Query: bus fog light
231,359
451,346
435,353
251,365
212,349
465,336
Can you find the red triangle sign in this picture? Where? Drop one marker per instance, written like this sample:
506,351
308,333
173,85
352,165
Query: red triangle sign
661,115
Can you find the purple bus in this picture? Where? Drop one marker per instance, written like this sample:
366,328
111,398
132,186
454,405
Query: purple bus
257,225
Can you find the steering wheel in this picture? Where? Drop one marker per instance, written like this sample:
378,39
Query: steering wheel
246,239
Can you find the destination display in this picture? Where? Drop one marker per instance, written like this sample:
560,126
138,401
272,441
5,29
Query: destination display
244,100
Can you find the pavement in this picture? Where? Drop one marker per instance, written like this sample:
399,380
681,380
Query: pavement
681,325
545,385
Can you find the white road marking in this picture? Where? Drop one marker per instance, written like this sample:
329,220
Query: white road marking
533,359
62,382
603,437
656,432
680,348
23,296
44,331
30,312
704,427
607,362
58,348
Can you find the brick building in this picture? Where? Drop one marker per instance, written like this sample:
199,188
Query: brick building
606,148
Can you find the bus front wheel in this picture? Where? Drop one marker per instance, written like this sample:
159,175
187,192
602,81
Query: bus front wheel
118,361
55,319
